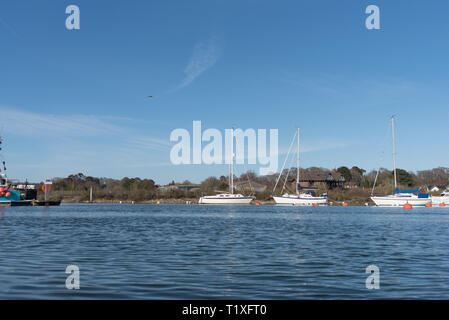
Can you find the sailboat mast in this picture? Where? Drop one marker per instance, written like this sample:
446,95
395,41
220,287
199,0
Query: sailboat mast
231,176
230,172
394,153
297,169
3,163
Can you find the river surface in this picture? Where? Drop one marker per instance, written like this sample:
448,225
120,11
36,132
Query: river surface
223,252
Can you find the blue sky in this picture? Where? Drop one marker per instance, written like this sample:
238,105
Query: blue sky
76,101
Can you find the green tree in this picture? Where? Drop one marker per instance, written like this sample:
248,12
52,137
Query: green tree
210,185
359,170
404,177
345,172
357,175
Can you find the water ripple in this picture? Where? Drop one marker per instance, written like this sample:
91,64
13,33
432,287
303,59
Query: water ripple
206,252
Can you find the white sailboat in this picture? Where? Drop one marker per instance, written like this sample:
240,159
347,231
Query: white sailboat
231,197
400,197
442,199
300,198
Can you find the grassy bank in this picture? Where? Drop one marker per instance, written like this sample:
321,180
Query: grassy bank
354,197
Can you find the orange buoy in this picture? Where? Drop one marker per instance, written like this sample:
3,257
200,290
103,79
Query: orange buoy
407,206
428,205
8,194
257,204
345,204
442,204
49,187
315,204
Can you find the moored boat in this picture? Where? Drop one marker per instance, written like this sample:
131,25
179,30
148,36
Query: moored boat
302,197
441,199
231,197
225,198
6,194
12,195
400,197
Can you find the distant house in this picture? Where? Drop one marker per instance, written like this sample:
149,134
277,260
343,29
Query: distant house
329,180
433,189
188,187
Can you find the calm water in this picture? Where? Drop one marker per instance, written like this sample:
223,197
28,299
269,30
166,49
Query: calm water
241,252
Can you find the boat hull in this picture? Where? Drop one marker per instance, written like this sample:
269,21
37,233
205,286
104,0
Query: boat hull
399,202
439,200
26,203
225,201
13,196
298,201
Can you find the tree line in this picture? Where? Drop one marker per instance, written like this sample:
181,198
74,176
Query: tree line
77,187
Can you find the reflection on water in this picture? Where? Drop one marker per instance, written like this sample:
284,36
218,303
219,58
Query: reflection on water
238,252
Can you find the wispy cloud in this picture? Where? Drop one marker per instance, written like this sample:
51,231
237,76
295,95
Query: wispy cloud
147,143
34,124
336,85
83,141
204,57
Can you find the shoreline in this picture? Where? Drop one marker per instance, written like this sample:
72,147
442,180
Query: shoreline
193,202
